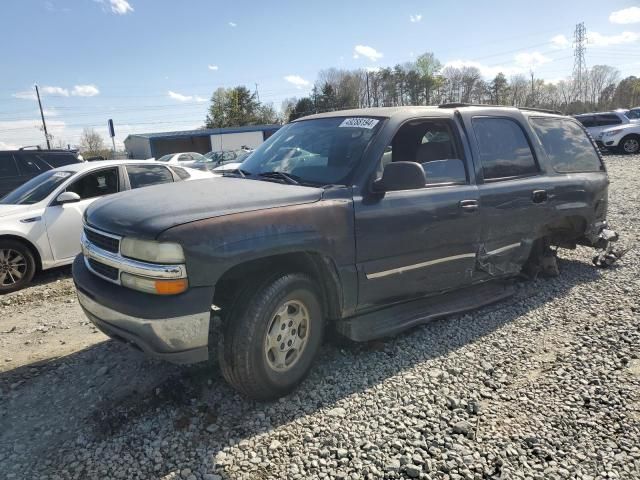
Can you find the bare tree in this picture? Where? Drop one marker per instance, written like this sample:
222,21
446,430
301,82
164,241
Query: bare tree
91,141
599,78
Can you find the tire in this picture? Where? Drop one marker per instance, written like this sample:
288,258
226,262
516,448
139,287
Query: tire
261,353
17,266
629,145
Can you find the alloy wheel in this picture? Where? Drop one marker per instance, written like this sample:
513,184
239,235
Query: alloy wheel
631,145
13,266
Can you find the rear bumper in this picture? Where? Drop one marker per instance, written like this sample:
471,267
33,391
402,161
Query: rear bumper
172,328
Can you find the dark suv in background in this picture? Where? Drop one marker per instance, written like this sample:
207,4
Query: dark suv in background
19,166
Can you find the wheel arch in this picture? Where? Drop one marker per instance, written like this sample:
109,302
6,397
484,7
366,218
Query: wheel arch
30,245
320,267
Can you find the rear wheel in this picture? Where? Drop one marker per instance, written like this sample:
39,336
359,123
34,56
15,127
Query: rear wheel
271,337
629,145
17,266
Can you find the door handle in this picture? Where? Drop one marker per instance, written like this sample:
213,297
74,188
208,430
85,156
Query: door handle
469,205
539,196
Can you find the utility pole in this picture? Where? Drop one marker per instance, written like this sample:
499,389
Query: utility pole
44,124
368,98
579,63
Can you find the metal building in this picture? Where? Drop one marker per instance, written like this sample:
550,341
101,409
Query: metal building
147,145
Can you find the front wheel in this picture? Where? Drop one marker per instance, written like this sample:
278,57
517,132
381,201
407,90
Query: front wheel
629,145
271,337
17,266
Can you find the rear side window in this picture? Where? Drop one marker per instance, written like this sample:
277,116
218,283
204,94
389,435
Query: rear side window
31,164
146,175
567,145
607,120
504,149
59,159
7,166
181,172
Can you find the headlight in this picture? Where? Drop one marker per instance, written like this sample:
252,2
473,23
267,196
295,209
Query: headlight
611,133
150,251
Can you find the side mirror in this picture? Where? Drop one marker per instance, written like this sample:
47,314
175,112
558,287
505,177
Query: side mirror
400,176
67,197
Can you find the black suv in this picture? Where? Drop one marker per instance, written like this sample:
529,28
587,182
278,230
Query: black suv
19,166
368,221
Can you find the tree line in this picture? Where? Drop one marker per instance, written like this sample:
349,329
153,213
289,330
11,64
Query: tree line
426,82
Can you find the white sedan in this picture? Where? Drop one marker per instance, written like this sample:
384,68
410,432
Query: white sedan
41,221
183,158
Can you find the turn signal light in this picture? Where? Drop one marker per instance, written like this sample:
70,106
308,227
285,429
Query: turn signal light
171,287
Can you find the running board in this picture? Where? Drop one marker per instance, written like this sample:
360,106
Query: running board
394,319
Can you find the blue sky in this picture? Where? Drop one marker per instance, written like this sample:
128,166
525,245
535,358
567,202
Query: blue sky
151,65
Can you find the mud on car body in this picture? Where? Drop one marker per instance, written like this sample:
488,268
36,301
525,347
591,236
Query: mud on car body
367,221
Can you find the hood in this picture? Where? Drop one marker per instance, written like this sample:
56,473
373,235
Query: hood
6,210
146,212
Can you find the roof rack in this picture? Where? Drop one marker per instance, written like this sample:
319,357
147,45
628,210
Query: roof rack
460,104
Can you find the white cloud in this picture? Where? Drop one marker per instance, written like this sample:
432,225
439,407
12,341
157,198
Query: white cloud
18,133
25,95
185,98
120,7
598,40
50,112
213,67
372,69
233,24
85,91
368,52
625,16
7,146
58,91
531,60
415,18
297,80
560,41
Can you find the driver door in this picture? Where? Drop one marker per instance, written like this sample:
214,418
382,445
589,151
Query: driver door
64,222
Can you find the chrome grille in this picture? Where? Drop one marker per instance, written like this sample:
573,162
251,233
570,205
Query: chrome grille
105,242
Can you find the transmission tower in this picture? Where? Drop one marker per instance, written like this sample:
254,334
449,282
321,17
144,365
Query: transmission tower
579,63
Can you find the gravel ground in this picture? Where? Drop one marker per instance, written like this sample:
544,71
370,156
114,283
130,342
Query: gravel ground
544,385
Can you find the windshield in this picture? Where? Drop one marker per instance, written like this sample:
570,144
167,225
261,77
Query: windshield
165,158
36,189
318,152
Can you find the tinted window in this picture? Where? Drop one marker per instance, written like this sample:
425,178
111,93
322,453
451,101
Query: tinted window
504,150
31,164
36,189
59,159
633,114
430,143
604,120
586,120
181,172
7,166
145,175
567,145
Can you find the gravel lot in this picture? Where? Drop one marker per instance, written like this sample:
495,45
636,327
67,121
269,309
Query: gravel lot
544,385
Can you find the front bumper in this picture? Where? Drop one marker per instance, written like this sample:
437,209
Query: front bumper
173,328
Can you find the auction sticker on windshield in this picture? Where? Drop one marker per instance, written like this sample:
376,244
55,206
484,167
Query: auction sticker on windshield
359,122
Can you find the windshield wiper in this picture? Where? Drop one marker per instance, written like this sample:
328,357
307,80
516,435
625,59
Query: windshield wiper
235,172
290,179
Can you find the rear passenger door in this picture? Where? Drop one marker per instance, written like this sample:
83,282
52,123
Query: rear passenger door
602,122
9,174
513,190
146,175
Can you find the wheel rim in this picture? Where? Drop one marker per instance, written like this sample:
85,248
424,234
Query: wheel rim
631,145
13,267
287,335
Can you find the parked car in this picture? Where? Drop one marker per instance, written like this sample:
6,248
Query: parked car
596,123
633,114
405,214
220,163
41,221
623,139
19,166
183,158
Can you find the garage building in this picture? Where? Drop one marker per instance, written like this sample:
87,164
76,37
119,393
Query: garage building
146,145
